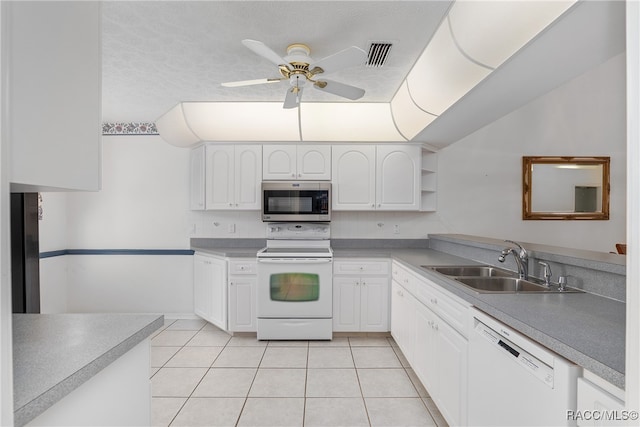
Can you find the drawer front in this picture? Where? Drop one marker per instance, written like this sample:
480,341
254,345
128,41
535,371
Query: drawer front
242,267
404,278
360,268
452,311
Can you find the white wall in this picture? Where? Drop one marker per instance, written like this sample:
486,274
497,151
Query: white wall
144,201
480,176
143,204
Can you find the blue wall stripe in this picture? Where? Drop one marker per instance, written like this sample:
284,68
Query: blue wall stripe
116,252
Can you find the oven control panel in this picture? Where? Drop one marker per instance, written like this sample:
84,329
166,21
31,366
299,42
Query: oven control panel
298,230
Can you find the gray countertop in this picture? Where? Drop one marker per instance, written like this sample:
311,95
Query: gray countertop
586,329
53,354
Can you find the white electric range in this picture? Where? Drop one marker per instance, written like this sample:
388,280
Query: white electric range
295,285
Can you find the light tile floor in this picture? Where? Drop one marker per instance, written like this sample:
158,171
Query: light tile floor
201,376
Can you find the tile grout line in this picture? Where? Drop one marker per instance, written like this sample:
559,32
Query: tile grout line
355,368
199,382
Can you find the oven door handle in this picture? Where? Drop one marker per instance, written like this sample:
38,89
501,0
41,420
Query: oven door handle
294,260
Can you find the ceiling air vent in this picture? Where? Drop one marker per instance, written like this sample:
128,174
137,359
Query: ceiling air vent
378,53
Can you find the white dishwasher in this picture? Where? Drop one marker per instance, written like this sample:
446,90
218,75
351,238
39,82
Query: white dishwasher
513,381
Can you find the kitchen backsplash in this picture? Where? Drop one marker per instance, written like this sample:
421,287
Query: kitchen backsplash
345,225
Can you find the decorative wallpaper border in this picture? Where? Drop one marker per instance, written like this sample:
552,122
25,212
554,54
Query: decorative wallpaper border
141,128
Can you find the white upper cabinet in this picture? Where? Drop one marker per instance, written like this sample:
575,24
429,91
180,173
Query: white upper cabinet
354,177
398,177
382,177
54,70
314,162
292,162
196,182
233,177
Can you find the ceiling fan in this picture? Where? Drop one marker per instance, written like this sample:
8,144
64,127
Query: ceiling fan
300,70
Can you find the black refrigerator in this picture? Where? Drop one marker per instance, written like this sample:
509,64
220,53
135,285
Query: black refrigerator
25,253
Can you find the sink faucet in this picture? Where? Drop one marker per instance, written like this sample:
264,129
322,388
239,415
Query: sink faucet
521,256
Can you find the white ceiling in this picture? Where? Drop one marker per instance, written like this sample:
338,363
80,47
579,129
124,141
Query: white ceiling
159,53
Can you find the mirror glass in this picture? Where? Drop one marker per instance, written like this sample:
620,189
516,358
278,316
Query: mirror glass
565,188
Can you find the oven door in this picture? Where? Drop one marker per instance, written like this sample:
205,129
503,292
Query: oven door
295,288
296,201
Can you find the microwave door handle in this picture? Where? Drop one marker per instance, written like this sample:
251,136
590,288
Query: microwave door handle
294,260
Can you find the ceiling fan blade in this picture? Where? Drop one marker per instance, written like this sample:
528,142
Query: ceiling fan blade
349,57
292,100
264,51
250,82
340,89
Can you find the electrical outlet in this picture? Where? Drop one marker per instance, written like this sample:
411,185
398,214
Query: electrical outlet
232,228
396,229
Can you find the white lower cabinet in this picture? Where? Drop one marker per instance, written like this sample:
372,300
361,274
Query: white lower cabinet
360,296
403,320
210,289
440,361
429,328
242,295
598,405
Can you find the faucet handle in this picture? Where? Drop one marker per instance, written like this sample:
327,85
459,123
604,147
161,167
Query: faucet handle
523,251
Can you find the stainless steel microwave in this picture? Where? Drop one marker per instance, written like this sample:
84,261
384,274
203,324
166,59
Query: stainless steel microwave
296,201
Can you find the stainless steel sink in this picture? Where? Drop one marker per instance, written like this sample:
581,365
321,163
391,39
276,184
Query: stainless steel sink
486,279
470,270
508,285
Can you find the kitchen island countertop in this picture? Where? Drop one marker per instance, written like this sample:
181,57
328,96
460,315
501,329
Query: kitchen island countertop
53,354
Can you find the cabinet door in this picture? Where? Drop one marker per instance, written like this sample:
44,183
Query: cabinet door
593,398
425,351
248,176
354,177
314,162
52,53
374,300
210,289
197,179
398,177
202,290
279,162
242,303
219,187
403,315
219,292
451,392
346,304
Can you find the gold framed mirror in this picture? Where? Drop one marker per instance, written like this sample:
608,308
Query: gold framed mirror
565,188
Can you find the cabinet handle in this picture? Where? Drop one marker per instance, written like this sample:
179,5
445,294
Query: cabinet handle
435,326
230,283
293,175
434,301
373,205
230,204
363,283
